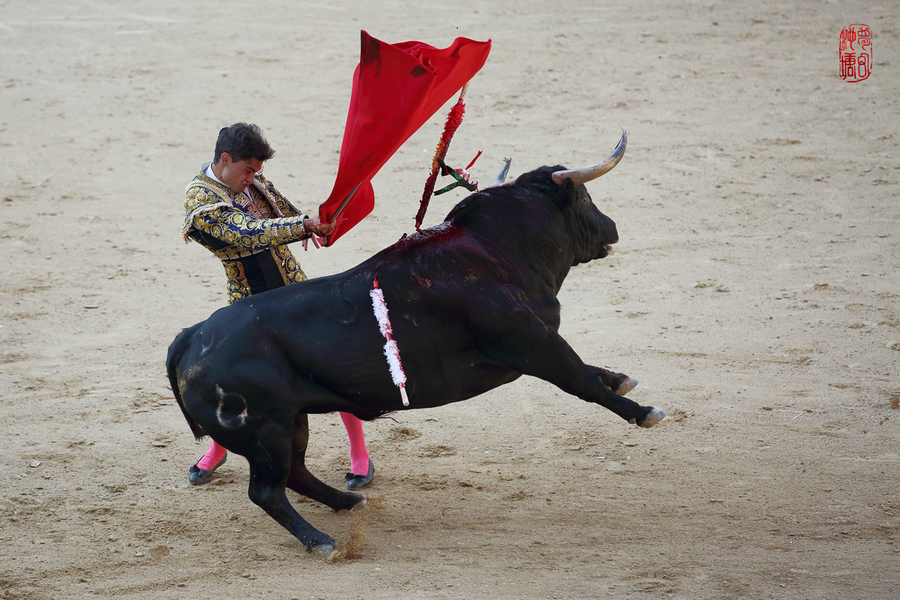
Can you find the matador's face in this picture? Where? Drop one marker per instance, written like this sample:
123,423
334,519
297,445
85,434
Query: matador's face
238,175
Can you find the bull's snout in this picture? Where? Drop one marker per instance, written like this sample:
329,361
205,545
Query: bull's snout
610,233
610,236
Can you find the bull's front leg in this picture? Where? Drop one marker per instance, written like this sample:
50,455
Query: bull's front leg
620,383
634,413
524,343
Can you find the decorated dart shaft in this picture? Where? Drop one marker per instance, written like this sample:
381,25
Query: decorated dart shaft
391,351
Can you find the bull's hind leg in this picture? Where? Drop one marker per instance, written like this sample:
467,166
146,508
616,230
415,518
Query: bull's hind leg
270,467
304,482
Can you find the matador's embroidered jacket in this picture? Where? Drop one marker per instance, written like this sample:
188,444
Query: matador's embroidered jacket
247,233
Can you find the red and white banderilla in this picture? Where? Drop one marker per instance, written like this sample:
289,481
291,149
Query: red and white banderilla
391,351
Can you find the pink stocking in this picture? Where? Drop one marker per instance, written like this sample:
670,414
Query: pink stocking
359,456
212,457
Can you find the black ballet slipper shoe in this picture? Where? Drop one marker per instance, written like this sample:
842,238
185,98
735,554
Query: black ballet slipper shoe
355,482
198,476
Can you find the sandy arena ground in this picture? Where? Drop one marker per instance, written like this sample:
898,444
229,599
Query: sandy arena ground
754,293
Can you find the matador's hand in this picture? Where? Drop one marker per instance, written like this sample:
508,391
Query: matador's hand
323,229
318,230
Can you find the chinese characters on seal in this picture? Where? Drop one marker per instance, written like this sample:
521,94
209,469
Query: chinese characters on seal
855,51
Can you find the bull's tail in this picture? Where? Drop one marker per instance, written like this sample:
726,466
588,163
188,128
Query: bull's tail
172,360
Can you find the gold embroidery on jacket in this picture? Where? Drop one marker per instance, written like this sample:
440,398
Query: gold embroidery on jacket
219,212
248,225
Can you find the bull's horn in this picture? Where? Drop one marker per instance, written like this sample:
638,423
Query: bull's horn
585,174
500,179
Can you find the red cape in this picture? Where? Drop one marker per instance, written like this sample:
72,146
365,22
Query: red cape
396,88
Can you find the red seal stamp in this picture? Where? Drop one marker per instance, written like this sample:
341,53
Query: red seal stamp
855,51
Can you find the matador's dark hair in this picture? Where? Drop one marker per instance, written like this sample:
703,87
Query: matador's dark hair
243,141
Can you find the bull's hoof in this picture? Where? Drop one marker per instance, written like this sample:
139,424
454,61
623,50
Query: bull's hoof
653,417
626,386
325,548
351,501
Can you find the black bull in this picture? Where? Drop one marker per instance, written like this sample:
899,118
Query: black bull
473,306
